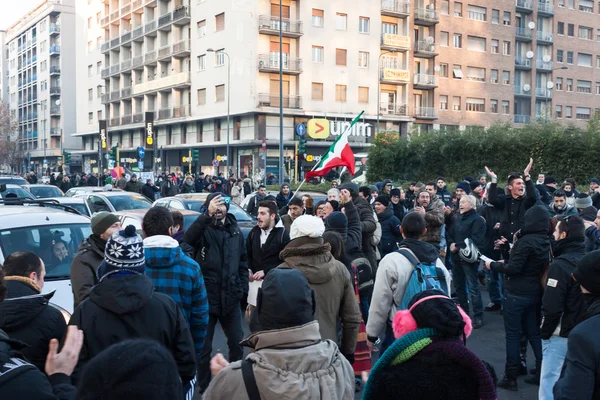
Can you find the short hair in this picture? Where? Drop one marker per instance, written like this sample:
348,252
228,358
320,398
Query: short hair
319,204
336,242
471,199
271,205
177,218
335,191
261,186
512,176
22,263
295,201
431,183
559,193
413,225
365,190
157,221
572,225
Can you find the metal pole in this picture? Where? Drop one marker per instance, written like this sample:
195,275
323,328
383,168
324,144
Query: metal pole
45,120
280,99
228,103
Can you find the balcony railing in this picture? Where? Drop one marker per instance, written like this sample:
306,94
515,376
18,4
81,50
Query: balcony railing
425,112
54,110
181,14
395,7
269,100
125,9
55,132
126,91
114,15
126,37
523,62
425,80
522,119
525,5
125,65
523,33
394,75
543,92
150,26
55,90
270,63
425,48
179,79
114,95
54,29
165,19
393,42
427,16
136,4
400,110
105,98
138,32
520,90
545,8
268,24
181,47
544,65
115,121
545,37
165,113
104,47
105,72
114,69
164,51
150,56
55,49
126,119
138,118
138,61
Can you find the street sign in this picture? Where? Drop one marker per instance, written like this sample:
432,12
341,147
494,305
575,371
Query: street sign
215,163
141,164
141,152
300,129
107,156
309,158
219,158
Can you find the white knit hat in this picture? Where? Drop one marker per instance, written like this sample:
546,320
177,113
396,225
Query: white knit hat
307,225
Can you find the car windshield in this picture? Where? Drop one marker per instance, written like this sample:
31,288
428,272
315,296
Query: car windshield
127,202
13,181
45,192
194,205
16,192
78,206
239,213
55,244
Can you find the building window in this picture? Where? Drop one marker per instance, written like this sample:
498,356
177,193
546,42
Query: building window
457,71
90,94
341,21
90,23
598,30
389,28
201,97
317,54
363,94
568,112
560,28
495,47
569,57
364,25
558,111
457,9
494,77
495,16
44,66
98,67
363,59
317,91
201,28
571,30
505,77
219,22
99,91
99,112
584,87
317,18
476,74
561,3
90,70
583,113
455,103
585,33
475,43
584,60
202,62
443,70
597,61
569,85
597,87
444,38
586,6
559,56
572,4
90,47
558,84
340,93
475,105
220,93
443,102
505,107
445,7
506,18
494,106
506,48
457,41
340,57
476,13
220,58
90,117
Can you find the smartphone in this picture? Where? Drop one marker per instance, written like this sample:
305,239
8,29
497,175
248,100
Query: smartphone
226,199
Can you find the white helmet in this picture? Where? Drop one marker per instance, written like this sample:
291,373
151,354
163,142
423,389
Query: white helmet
470,253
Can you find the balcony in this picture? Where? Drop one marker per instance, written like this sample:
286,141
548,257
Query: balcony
269,25
521,92
54,50
425,49
105,47
150,57
54,29
125,38
126,119
524,6
394,76
126,65
126,9
138,118
177,80
115,95
270,63
522,63
522,119
425,113
55,132
138,61
164,52
181,16
426,17
126,92
395,8
425,81
181,49
182,111
115,121
393,109
105,98
114,15
523,34
269,100
150,28
114,69
55,90
545,37
115,42
545,8
164,113
393,42
138,33
544,65
105,21
105,73
543,93
165,20
136,4
54,110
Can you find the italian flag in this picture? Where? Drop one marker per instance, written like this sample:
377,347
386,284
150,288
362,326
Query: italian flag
339,154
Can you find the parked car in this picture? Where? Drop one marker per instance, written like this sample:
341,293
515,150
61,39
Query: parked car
88,189
135,218
75,202
114,201
13,180
44,191
317,196
17,190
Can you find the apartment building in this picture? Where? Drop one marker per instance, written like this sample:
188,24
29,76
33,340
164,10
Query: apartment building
41,93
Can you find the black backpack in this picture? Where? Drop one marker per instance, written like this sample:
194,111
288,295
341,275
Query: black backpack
365,276
247,189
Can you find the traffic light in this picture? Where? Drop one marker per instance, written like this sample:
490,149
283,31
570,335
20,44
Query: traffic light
113,152
302,146
67,157
195,155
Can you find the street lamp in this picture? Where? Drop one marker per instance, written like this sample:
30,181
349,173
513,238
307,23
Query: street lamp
211,50
378,86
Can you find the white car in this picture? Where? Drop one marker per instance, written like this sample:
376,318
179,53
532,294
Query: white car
41,230
114,201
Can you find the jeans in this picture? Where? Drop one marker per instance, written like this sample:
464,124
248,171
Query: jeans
554,351
443,237
389,338
495,286
465,275
232,327
520,314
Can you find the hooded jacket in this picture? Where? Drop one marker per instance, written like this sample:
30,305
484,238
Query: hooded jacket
237,194
592,239
188,188
390,231
281,199
179,277
367,223
134,187
392,277
84,267
351,233
149,191
529,256
567,211
434,219
127,307
25,315
334,292
292,363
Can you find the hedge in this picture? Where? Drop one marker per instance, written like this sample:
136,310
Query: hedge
556,150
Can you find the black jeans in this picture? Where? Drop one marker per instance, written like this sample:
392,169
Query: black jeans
232,327
520,314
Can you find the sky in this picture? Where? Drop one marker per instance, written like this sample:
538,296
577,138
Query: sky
16,10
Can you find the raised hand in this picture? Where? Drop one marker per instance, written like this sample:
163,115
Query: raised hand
65,361
528,168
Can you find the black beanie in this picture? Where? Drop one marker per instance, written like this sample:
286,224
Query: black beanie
383,199
474,185
336,221
440,314
587,273
132,369
589,213
212,196
395,192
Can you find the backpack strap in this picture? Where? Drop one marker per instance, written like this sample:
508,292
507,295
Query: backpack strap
409,256
250,380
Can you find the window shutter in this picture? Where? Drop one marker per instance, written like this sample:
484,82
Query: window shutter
340,57
220,21
317,91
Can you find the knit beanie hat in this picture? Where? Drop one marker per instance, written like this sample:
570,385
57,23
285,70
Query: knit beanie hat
395,192
383,199
307,225
124,253
589,213
474,185
464,186
595,180
334,204
137,368
441,314
209,198
468,179
549,180
351,187
102,221
336,221
587,273
583,201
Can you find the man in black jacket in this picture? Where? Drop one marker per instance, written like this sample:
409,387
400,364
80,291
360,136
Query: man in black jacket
169,188
492,217
27,316
150,189
220,252
468,225
562,304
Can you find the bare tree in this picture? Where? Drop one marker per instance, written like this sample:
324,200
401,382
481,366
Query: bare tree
10,152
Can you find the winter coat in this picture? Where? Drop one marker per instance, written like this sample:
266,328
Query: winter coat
218,188
291,363
469,225
390,232
237,194
592,239
283,200
266,257
65,186
169,189
127,307
352,236
134,187
200,185
492,216
26,316
444,195
253,204
85,267
179,277
392,278
568,211
220,252
149,191
92,181
562,303
434,219
185,188
334,293
580,378
248,186
529,256
121,183
367,224
513,210
398,209
20,380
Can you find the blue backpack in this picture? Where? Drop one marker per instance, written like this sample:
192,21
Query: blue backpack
423,277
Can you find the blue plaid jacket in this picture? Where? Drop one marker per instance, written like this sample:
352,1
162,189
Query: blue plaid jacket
179,277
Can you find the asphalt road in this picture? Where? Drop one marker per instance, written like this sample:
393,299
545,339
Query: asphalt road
488,343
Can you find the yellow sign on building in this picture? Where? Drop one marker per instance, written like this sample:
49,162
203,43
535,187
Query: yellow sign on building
396,75
397,41
318,128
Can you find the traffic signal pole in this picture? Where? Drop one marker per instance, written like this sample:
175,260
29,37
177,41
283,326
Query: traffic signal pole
296,162
190,162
